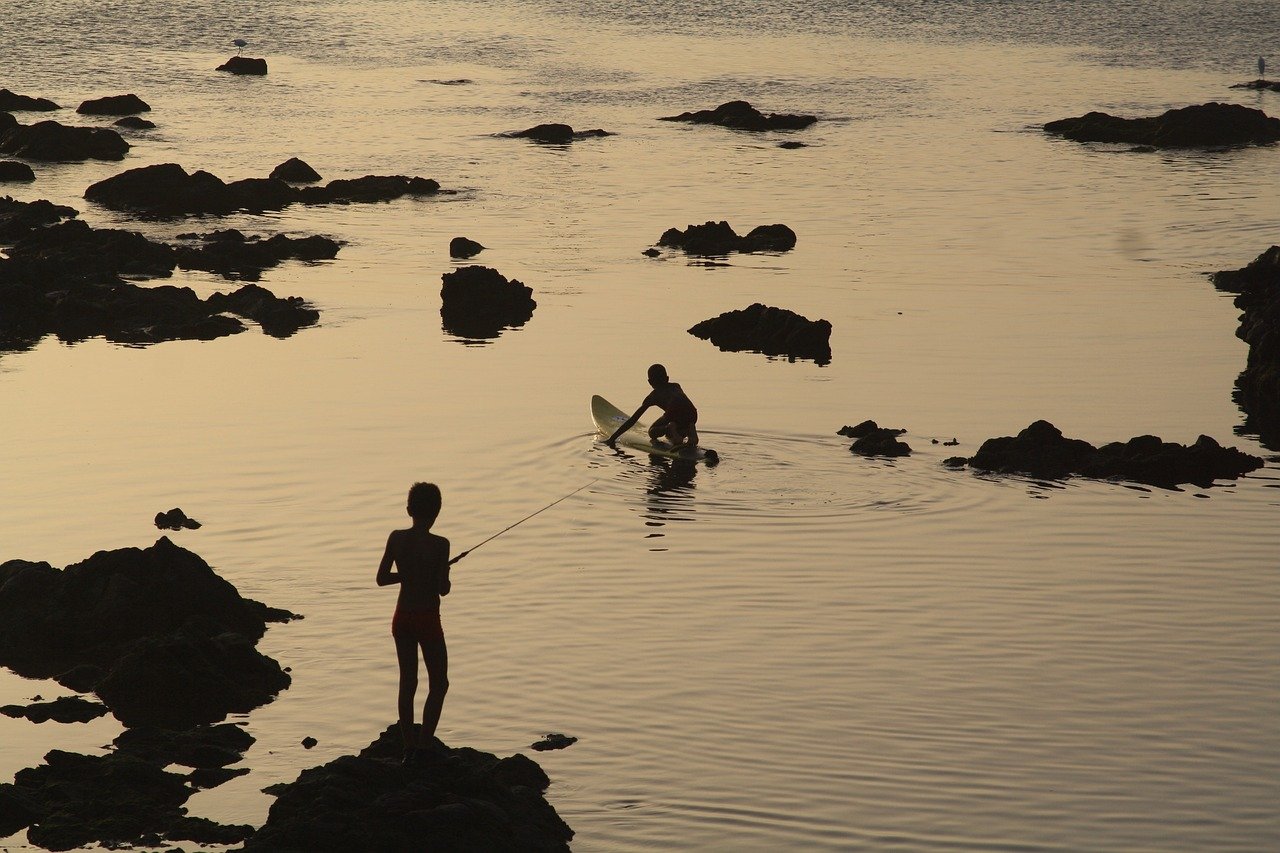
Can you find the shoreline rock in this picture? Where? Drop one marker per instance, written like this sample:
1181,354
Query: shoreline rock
770,331
719,238
740,115
1257,289
1203,125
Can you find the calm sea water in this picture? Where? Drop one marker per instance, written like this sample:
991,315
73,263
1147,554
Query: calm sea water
800,648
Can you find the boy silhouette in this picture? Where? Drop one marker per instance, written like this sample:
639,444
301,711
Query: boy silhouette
679,420
421,560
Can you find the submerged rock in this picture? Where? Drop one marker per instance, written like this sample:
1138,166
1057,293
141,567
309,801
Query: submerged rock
175,519
479,302
53,141
554,740
740,115
1257,289
556,133
278,317
134,123
768,330
1273,85
13,102
462,800
866,428
67,709
1203,125
719,238
880,442
295,171
114,105
202,747
12,170
244,65
231,254
1042,451
461,247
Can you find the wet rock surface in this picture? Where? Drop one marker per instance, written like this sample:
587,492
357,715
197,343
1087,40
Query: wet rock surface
160,637
244,65
12,170
207,747
768,330
19,218
1204,125
168,190
1264,85
13,102
278,317
114,105
557,134
461,247
53,141
232,254
67,709
875,440
134,123
479,302
176,519
460,800
295,171
1257,289
740,115
719,238
554,740
1042,451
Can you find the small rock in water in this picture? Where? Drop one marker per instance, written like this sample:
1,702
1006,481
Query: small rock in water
114,105
12,170
244,65
295,171
461,247
135,123
175,519
554,740
308,742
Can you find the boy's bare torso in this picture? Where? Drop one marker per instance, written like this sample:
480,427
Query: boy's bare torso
422,559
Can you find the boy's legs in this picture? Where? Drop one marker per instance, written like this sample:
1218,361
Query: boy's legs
436,656
407,655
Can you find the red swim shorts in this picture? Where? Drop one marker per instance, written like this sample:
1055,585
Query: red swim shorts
421,624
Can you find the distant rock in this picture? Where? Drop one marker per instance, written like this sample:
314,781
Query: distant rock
19,218
740,115
53,141
71,251
768,330
461,247
67,709
554,740
1272,85
114,105
244,65
880,442
1042,451
866,428
479,302
1204,125
278,317
309,742
175,519
1257,289
134,123
370,188
231,254
792,144
719,238
557,134
13,102
461,800
12,170
295,171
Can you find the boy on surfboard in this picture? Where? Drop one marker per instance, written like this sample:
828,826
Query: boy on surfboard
679,420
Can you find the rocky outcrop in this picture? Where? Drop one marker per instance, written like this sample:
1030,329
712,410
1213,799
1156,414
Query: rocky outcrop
295,171
72,251
719,238
20,218
13,102
278,317
12,170
875,440
176,519
168,190
54,141
231,254
244,65
768,330
160,637
479,302
1042,451
1272,85
67,709
462,800
556,134
461,247
134,123
201,747
1257,289
740,115
1204,125
114,105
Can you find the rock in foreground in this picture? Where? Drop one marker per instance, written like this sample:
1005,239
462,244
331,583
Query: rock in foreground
1042,451
463,800
772,331
719,238
740,115
479,302
1258,387
1204,125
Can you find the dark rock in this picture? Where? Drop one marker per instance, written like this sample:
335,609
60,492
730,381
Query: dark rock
72,249
19,218
1257,289
719,238
308,742
1273,85
67,709
135,123
212,777
231,254
463,800
7,123
1203,125
867,428
12,170
792,144
955,461
554,740
81,678
278,317
13,102
202,747
54,141
295,171
479,302
558,134
114,105
880,442
370,188
244,65
1042,451
461,247
740,115
175,519
772,331
651,252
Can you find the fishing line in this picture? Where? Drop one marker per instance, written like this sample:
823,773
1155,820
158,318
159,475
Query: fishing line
523,520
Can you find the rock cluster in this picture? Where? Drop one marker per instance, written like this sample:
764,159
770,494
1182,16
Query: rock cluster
1189,127
1257,289
740,115
556,134
875,440
772,331
719,238
53,141
479,302
1042,451
463,800
154,632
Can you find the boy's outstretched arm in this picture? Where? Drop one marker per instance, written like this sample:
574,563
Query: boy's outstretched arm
386,576
629,422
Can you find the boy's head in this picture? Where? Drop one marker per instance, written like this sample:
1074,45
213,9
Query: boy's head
424,502
658,375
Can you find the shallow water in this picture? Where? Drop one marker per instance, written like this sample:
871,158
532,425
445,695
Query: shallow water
799,648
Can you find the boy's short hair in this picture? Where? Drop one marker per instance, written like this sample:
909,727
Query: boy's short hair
424,501
658,373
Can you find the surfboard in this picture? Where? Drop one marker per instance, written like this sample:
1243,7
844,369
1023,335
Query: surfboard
609,417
